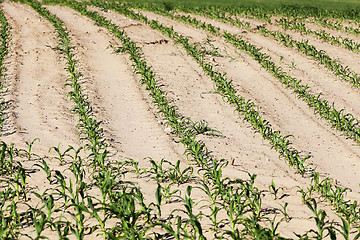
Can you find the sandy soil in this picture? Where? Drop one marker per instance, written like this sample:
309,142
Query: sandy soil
40,109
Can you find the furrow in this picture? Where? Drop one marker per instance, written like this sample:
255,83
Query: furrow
39,107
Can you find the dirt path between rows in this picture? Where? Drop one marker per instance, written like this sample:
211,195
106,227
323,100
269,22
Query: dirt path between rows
36,78
39,105
342,55
40,108
338,53
335,33
121,103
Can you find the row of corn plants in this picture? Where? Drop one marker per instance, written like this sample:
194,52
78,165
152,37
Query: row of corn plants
120,199
4,44
13,191
294,24
293,11
335,25
291,156
13,177
344,72
247,108
339,119
221,188
71,196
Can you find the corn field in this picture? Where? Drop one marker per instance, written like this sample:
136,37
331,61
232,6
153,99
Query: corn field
123,120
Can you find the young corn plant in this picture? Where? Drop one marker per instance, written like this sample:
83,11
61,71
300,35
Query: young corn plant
274,190
196,231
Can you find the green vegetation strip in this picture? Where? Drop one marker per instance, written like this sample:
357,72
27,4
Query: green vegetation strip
4,45
344,72
334,194
336,25
293,24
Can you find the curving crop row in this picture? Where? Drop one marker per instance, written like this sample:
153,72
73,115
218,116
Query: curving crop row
344,72
336,25
124,201
293,24
4,45
72,197
224,85
334,194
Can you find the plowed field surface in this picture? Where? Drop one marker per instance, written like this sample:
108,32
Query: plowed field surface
39,106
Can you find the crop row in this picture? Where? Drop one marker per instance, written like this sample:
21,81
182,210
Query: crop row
66,205
344,72
336,25
122,200
339,119
14,187
334,194
292,11
293,24
69,196
4,42
330,192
